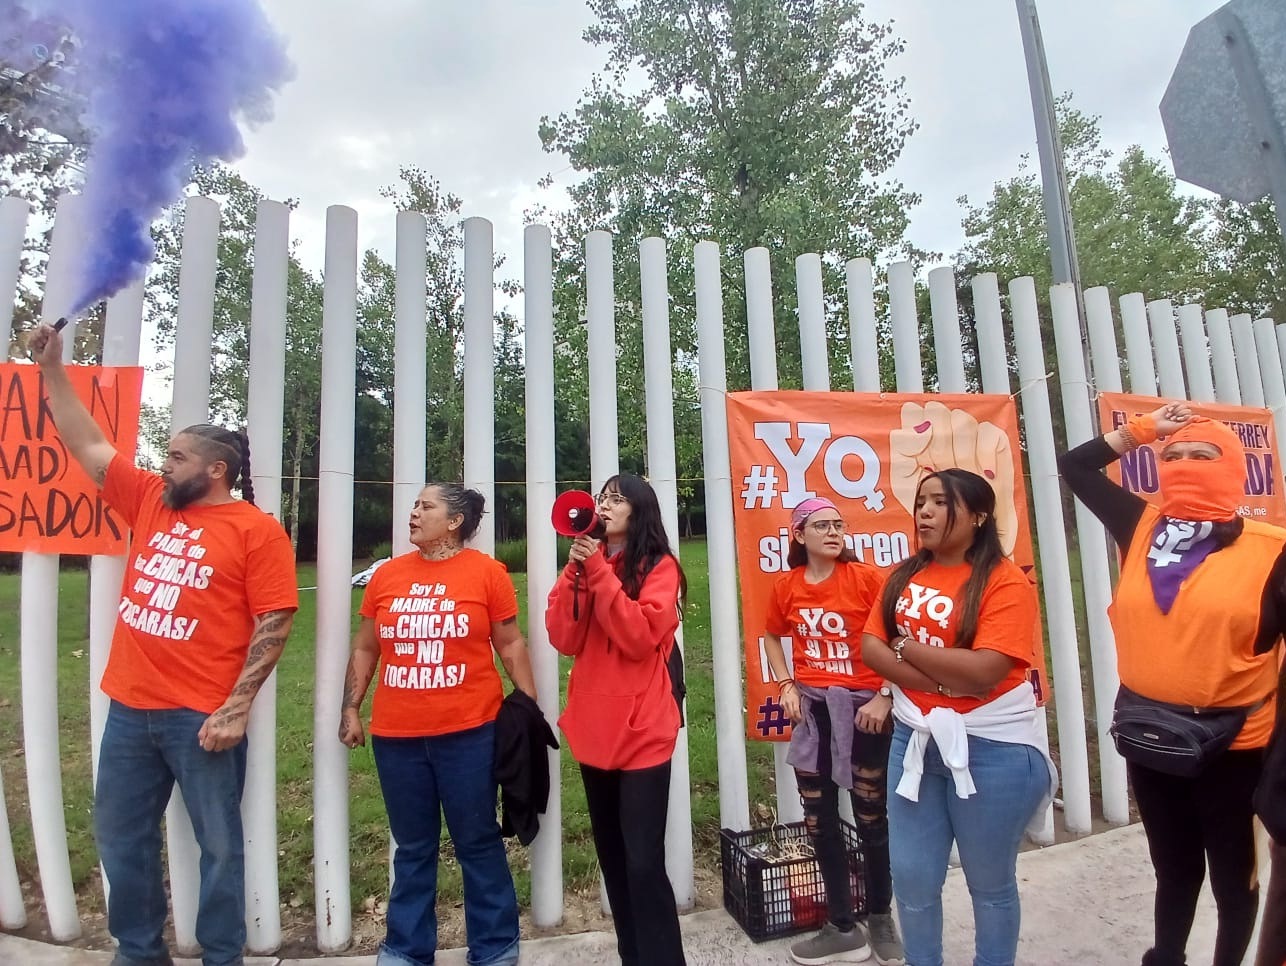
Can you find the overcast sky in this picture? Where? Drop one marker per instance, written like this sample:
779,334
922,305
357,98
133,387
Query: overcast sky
459,88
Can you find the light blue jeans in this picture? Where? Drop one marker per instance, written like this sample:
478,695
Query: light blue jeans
987,827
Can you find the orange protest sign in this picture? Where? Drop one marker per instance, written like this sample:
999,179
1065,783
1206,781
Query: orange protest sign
47,502
868,454
1137,469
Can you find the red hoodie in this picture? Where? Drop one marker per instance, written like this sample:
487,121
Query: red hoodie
620,710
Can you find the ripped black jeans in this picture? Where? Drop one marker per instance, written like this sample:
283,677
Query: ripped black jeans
820,797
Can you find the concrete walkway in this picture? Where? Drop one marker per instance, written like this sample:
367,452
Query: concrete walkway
1086,902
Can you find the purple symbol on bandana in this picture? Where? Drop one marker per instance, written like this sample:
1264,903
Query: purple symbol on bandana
1178,547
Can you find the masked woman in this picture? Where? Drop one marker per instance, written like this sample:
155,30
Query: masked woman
1197,614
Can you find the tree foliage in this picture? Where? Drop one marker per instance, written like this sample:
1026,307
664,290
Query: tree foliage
749,122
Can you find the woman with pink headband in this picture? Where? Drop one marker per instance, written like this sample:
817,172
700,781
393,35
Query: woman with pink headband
840,712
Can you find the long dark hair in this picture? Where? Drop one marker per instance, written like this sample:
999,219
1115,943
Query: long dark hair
464,502
645,539
983,556
217,443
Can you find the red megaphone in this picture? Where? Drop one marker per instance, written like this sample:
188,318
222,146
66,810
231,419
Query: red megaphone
573,514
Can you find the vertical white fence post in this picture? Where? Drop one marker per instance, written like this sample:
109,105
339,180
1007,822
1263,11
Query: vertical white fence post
480,372
1096,570
658,368
945,313
333,901
191,405
38,635
725,628
121,336
906,328
265,417
1248,377
1059,609
993,360
1138,345
14,212
863,333
542,549
1223,357
600,312
1270,368
410,373
763,377
1165,341
1196,353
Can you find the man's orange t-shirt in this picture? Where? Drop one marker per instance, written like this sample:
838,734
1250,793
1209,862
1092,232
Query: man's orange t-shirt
928,611
433,622
195,580
824,622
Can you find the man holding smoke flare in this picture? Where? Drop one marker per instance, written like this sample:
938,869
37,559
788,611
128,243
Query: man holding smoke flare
205,610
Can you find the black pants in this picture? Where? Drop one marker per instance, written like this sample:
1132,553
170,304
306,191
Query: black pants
1272,931
1188,822
627,811
870,796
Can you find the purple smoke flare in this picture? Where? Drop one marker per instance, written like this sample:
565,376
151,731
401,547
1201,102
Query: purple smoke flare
165,82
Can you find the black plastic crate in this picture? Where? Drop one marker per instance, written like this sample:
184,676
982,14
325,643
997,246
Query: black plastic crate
772,896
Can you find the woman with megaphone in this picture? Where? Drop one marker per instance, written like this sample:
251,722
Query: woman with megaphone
615,610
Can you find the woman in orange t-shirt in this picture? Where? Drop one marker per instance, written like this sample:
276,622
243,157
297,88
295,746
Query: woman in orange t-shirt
839,709
1199,610
955,632
433,621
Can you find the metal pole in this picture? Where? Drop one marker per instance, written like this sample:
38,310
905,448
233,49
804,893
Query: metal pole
1058,210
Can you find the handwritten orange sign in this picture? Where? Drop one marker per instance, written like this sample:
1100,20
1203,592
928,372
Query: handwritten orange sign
47,502
1137,470
867,453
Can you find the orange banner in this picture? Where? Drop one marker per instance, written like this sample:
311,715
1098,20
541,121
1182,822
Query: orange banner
1137,470
866,452
47,502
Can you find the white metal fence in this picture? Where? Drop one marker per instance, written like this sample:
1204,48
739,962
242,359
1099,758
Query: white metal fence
1208,356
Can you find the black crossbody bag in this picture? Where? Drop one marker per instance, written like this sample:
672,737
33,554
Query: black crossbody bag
1174,739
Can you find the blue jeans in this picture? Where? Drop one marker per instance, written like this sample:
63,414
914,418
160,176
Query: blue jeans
423,779
987,828
142,755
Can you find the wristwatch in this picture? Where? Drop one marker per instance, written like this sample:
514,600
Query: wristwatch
886,691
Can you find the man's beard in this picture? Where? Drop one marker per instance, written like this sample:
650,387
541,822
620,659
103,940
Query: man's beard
178,495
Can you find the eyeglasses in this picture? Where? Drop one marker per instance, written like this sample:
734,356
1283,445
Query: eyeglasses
610,500
823,527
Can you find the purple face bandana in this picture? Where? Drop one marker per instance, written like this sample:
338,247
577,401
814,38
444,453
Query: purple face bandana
1178,547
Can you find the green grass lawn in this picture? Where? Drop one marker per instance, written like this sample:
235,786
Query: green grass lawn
369,852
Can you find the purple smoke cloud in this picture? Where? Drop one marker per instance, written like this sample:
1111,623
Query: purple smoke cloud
165,83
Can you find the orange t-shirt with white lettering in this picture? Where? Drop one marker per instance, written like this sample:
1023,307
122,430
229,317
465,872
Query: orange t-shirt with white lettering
195,579
824,622
928,611
433,618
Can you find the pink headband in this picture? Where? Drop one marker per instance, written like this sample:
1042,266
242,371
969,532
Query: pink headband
799,516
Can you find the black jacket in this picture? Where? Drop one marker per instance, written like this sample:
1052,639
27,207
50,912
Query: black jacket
522,765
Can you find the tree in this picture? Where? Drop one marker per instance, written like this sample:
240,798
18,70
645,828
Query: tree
750,122
230,348
1249,260
42,142
1134,231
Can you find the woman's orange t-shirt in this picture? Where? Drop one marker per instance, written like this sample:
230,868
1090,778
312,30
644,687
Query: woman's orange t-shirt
433,620
824,623
928,611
